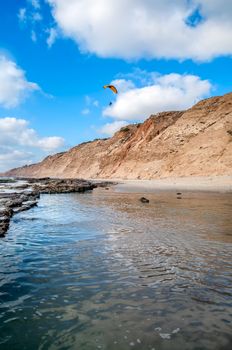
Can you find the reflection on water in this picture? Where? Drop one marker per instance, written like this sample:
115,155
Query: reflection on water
104,271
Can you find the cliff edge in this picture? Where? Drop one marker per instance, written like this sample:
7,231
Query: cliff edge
195,142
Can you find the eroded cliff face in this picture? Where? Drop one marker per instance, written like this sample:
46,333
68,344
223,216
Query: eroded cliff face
195,142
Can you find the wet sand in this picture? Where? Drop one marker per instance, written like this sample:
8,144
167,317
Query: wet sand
206,184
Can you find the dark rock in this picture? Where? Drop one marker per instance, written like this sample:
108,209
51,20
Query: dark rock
105,184
12,203
54,186
144,200
5,215
16,202
6,212
27,205
8,195
22,187
4,218
3,228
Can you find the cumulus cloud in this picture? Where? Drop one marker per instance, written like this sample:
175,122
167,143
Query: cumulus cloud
123,85
13,155
14,86
50,143
16,132
167,92
20,144
110,128
196,29
10,158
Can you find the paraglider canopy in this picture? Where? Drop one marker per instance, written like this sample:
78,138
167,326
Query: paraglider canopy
111,87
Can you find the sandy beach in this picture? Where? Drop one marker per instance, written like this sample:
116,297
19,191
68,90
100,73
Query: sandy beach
206,184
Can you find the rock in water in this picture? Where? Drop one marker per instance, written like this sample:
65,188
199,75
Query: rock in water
144,200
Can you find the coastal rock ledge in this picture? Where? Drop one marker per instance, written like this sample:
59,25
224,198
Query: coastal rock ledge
22,194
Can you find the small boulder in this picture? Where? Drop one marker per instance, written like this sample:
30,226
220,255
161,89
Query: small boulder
144,200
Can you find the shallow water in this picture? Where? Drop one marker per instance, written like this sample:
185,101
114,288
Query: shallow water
103,271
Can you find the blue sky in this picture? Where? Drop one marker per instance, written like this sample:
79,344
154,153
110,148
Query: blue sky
56,55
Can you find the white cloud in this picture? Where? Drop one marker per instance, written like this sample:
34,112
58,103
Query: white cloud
14,86
137,76
52,36
10,158
35,4
14,155
22,15
123,85
32,16
110,128
16,132
196,29
20,144
50,143
167,92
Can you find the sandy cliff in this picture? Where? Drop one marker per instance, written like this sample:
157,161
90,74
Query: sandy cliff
195,142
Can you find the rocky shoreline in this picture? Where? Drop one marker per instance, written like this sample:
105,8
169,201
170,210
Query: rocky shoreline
21,194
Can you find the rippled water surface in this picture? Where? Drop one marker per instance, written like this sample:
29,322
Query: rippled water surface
103,271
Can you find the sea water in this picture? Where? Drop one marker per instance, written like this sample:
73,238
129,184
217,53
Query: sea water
102,270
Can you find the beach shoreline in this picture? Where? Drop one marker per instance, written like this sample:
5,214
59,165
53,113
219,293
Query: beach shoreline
221,184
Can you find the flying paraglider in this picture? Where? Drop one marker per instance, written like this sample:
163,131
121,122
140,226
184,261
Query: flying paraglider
111,87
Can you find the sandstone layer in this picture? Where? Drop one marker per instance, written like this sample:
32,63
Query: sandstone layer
195,142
